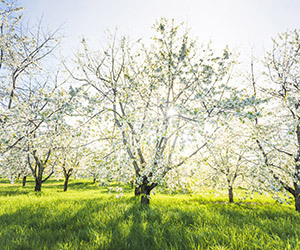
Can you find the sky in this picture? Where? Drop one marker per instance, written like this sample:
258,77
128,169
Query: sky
243,24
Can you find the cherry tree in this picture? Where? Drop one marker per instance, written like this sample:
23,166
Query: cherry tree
278,130
228,159
158,100
22,52
71,149
52,108
34,101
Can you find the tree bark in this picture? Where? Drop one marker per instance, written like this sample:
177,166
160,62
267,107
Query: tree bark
145,191
145,199
66,183
39,170
297,203
38,184
230,194
137,190
24,180
67,175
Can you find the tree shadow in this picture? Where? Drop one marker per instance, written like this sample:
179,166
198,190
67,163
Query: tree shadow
110,223
14,190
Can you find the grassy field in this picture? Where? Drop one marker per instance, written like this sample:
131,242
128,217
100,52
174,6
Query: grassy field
89,217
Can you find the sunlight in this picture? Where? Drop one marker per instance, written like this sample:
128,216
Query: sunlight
171,112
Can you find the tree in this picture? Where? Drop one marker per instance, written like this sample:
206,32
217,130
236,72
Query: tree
34,102
227,160
71,150
39,168
22,53
14,165
45,112
278,131
155,98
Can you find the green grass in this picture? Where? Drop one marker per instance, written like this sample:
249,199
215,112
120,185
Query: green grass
88,217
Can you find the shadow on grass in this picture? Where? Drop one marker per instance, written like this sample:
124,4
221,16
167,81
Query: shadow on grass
13,192
9,189
80,186
126,224
167,227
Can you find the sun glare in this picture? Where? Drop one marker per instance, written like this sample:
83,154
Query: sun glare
171,112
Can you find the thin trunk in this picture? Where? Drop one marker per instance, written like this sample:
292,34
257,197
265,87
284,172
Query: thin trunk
39,176
39,170
24,180
297,202
67,175
12,93
66,183
297,170
94,180
230,194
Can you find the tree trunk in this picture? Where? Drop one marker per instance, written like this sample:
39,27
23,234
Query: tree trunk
24,180
297,202
230,194
39,170
66,183
94,180
145,191
145,200
38,185
137,190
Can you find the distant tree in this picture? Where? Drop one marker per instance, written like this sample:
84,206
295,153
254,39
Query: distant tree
34,101
43,145
14,165
71,150
227,160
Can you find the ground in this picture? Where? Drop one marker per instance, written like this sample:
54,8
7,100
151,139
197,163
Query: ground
90,217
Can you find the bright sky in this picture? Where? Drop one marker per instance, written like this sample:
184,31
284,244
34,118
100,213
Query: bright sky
239,23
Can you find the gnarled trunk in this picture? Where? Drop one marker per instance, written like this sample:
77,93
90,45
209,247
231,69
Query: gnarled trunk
144,190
